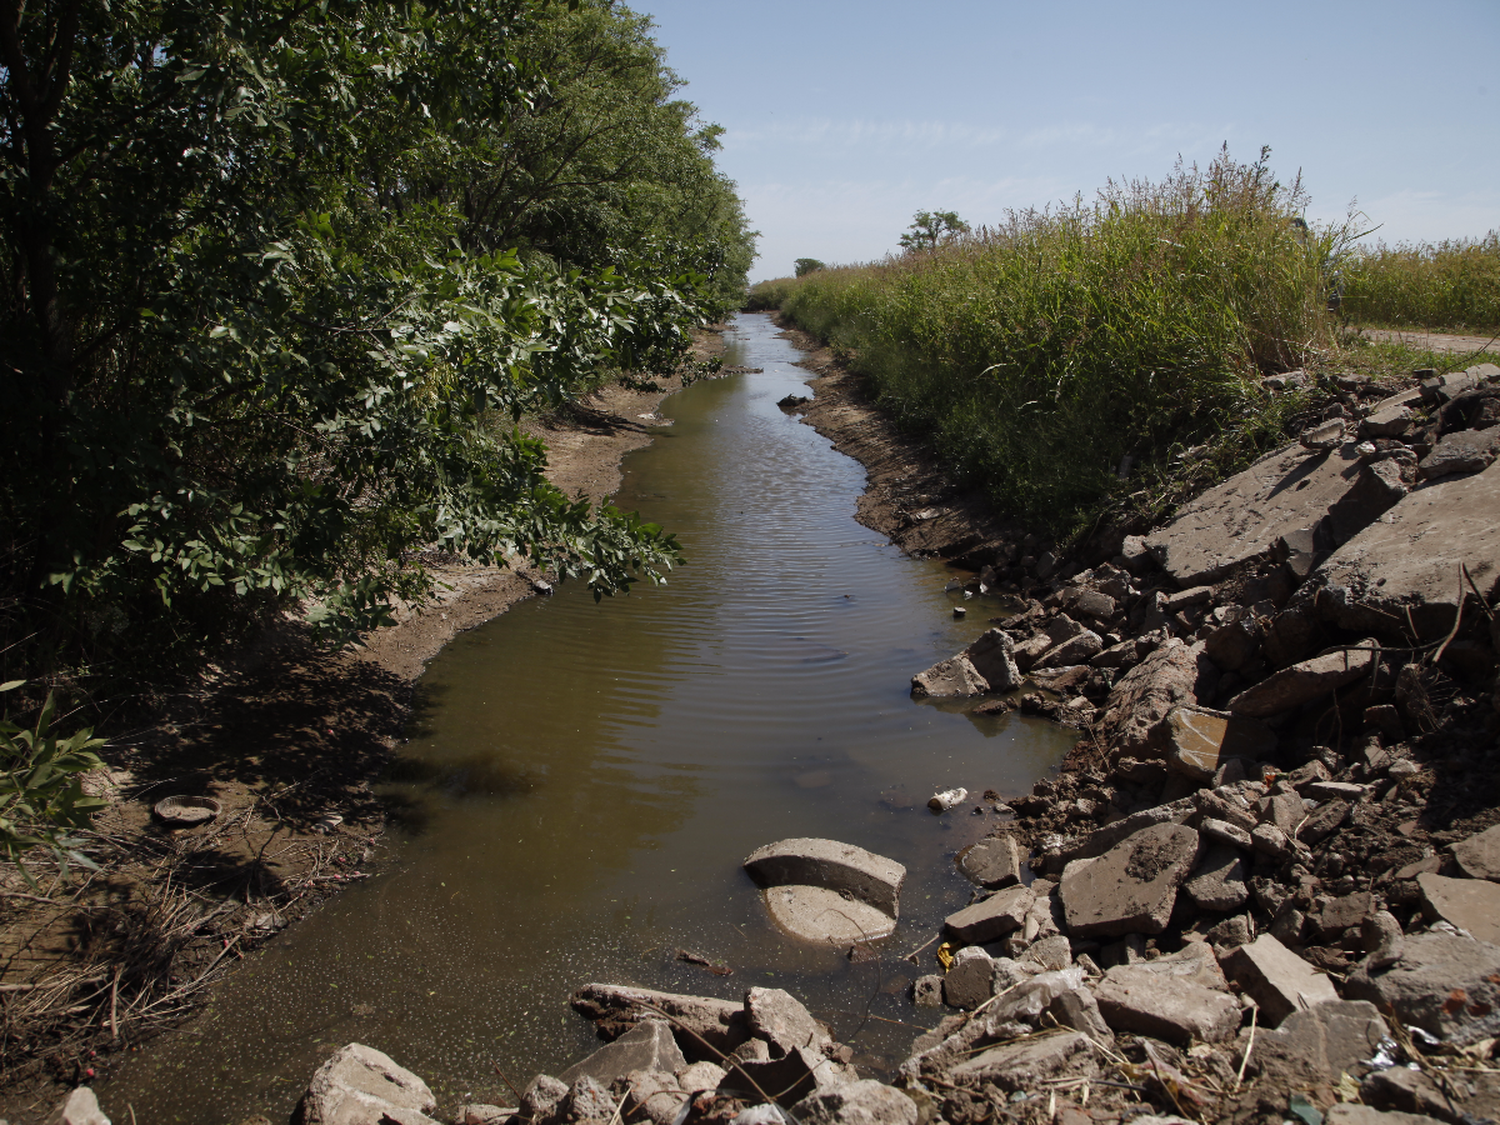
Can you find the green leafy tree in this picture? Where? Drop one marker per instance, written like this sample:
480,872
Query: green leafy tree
806,266
256,344
930,229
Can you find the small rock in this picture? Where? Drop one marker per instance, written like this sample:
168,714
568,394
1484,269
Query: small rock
1002,913
1132,998
82,1108
994,862
1479,855
1025,1064
649,1045
779,1018
1276,979
358,1080
1218,881
1132,887
1469,904
866,1102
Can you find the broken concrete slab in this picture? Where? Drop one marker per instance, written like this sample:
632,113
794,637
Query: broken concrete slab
1075,650
866,1102
970,980
1313,1044
1304,682
1218,881
359,1083
1025,1064
1171,676
836,866
1132,998
1466,451
1285,491
800,1074
1200,741
988,665
1001,913
1469,904
825,916
1131,888
1445,983
1479,855
1348,1113
649,1045
1392,417
1402,572
1276,979
779,1018
994,862
721,1024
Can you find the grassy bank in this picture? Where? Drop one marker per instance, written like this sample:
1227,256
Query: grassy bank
1041,355
1450,286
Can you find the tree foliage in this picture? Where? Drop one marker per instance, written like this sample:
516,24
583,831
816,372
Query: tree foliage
806,266
258,339
930,229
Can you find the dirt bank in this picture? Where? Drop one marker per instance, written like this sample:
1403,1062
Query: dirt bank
287,739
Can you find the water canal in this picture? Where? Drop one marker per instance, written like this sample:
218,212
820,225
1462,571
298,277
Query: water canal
583,781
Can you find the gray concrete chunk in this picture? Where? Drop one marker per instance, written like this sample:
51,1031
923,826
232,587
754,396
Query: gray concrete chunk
994,862
866,1102
1132,887
1200,741
1218,882
1002,913
649,1045
1479,855
779,1018
1276,979
1303,683
1469,904
970,980
1134,999
814,862
1023,1065
1445,983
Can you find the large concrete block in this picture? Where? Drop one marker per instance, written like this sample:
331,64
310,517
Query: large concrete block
1132,887
1276,979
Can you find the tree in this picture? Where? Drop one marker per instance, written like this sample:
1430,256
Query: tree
930,229
806,266
255,348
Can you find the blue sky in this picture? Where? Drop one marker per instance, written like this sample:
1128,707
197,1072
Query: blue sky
844,117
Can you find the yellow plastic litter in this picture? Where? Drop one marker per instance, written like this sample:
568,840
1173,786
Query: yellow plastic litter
945,955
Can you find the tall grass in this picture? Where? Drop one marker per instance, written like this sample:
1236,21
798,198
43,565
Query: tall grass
1453,285
1039,353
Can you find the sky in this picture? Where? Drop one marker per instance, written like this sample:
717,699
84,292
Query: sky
843,118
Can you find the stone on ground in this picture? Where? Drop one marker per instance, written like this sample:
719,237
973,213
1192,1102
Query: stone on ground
790,1079
1479,855
1200,741
1133,999
970,980
721,1024
866,1102
1285,491
1002,913
986,666
1315,1043
1469,904
1445,983
359,1085
1403,570
1304,682
780,1019
1169,677
1024,1065
1132,887
818,914
1347,1113
649,1045
1276,979
994,862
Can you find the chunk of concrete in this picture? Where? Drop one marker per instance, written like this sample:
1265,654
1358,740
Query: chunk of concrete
1134,999
1304,683
1349,1113
780,1019
988,665
994,862
866,1102
970,980
1001,913
1479,855
649,1045
359,1085
82,1108
788,1080
1025,1064
1075,650
1131,888
1200,741
1392,417
1402,572
1466,451
813,862
1469,904
1285,491
721,1024
1218,881
1315,1043
1276,979
1171,676
818,914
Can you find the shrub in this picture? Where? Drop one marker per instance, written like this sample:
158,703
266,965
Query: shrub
1454,285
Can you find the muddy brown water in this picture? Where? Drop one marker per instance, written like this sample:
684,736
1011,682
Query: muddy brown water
583,781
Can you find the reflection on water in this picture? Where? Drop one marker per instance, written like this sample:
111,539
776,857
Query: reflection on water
585,779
